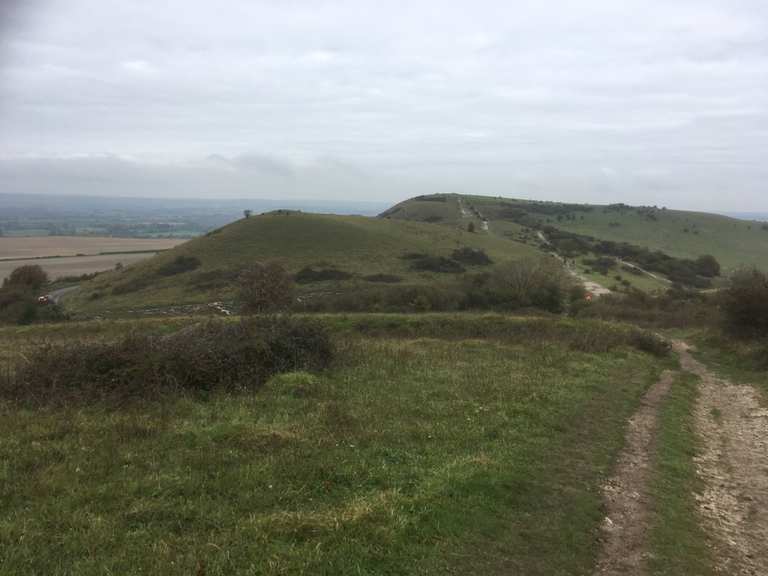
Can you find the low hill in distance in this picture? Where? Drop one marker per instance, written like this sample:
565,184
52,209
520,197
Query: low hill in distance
328,253
418,242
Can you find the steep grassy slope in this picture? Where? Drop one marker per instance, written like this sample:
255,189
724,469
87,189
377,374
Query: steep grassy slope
354,245
678,233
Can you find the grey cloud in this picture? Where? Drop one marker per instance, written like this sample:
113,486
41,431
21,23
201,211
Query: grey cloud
595,100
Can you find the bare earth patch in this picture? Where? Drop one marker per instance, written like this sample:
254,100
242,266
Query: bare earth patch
732,426
626,495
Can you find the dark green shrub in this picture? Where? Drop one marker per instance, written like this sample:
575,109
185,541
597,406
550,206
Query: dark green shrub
179,265
745,302
708,266
471,256
205,357
437,264
649,342
30,277
309,275
542,283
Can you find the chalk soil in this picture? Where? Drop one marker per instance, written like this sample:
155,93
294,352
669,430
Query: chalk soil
732,426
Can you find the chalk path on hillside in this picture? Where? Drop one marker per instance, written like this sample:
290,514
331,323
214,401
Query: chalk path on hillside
627,501
590,286
732,428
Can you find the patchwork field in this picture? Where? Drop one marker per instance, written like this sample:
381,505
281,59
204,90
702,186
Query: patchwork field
75,255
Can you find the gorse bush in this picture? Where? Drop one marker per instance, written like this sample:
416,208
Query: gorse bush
201,358
745,302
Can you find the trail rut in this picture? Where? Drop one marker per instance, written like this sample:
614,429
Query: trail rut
732,427
625,526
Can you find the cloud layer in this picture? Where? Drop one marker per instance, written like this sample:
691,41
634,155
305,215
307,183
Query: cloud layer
643,101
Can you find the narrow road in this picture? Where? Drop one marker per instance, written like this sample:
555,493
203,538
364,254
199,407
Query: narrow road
732,426
57,295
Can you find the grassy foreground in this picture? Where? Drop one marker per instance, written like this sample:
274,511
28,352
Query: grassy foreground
413,455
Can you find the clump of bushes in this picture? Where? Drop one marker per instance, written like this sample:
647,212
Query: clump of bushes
649,342
745,302
202,358
601,264
29,277
426,263
678,307
179,265
309,275
471,256
18,298
396,298
265,288
531,283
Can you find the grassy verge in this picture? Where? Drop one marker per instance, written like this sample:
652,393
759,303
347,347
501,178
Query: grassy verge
678,544
410,456
741,360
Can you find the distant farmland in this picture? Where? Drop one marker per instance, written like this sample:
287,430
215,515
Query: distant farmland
76,255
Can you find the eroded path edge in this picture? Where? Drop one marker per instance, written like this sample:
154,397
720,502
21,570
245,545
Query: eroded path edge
626,494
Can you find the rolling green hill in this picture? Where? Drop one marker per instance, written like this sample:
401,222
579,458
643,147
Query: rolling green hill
343,254
360,251
677,233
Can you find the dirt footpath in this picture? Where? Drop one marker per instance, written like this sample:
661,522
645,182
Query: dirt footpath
732,428
625,526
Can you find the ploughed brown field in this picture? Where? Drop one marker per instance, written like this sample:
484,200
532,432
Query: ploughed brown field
77,254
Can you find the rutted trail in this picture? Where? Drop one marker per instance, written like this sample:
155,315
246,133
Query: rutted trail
626,496
732,427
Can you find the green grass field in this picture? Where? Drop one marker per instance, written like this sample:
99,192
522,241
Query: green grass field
678,233
353,244
435,445
733,242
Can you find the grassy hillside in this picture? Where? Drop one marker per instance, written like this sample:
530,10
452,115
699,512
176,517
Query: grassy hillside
677,233
683,234
356,246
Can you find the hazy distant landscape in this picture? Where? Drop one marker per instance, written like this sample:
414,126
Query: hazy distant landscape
42,215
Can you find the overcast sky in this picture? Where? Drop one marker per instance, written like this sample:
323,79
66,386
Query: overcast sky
642,101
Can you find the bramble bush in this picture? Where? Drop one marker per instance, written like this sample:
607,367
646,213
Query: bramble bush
202,358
